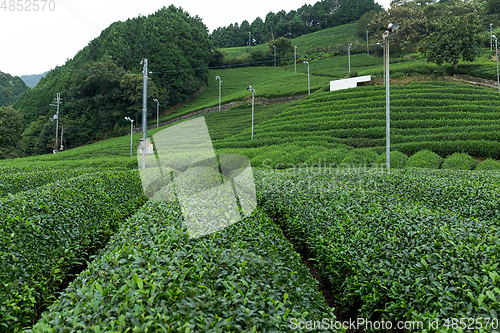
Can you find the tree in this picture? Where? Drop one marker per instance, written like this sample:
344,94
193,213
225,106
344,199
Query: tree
363,24
11,126
413,18
257,29
12,89
283,45
492,7
454,35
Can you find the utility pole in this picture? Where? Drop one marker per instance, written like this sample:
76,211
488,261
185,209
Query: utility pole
56,116
62,135
274,55
349,56
295,59
491,36
144,110
220,82
157,112
496,52
308,81
367,48
388,35
253,98
131,132
249,39
384,36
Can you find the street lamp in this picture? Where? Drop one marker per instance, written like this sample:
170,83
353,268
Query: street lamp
143,141
253,97
295,59
308,82
157,112
274,46
131,132
349,55
496,52
388,35
367,49
220,82
491,36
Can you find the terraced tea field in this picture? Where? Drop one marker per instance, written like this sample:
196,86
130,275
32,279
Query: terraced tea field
443,117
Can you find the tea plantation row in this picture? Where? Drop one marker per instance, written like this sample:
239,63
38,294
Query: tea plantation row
412,245
152,278
440,116
48,230
22,179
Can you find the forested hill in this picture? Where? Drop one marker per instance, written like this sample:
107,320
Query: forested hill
306,19
103,83
32,80
11,88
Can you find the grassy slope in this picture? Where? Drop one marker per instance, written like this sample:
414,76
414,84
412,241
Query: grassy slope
331,38
269,82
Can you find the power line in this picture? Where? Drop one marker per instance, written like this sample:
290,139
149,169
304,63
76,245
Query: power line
82,18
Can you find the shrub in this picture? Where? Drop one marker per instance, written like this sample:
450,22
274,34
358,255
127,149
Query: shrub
424,159
328,157
459,161
487,165
359,157
398,160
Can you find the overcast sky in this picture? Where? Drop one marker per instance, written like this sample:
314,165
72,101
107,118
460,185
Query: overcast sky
33,42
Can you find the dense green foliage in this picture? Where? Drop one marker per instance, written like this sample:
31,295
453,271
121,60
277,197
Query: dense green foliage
103,83
12,88
245,278
412,245
397,159
424,159
49,230
488,165
24,179
11,127
359,158
459,161
304,20
326,40
454,35
432,20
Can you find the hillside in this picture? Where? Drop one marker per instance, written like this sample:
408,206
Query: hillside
33,79
443,117
329,39
101,84
12,88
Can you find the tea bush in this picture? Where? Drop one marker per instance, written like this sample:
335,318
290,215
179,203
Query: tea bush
459,161
153,278
51,229
424,159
